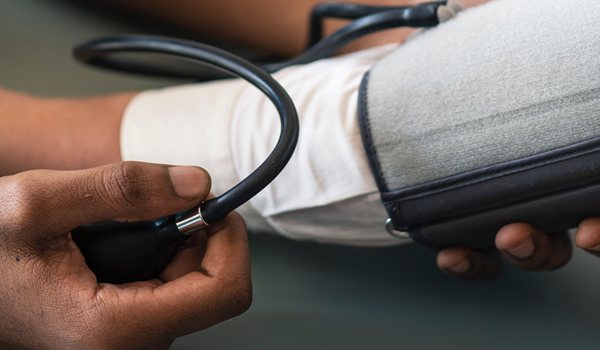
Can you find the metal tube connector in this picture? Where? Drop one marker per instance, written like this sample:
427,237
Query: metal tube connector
191,221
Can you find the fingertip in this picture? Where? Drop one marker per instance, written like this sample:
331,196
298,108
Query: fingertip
190,182
233,221
588,234
531,249
453,259
468,264
516,240
513,235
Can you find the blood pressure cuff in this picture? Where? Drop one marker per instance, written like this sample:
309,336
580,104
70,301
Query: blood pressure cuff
488,119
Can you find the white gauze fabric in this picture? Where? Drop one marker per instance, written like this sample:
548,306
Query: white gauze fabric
326,193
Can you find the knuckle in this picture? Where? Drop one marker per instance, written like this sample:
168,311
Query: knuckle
24,200
238,296
238,221
126,184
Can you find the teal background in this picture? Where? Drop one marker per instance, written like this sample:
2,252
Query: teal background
311,296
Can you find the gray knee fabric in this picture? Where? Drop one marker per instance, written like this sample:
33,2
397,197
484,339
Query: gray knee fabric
500,82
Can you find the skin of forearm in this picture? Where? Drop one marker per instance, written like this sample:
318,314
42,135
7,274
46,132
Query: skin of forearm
277,27
62,134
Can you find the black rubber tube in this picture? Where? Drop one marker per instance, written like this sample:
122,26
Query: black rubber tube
424,15
98,52
345,10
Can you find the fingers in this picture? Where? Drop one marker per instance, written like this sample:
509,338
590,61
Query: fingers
224,287
187,259
227,247
468,264
189,255
524,245
197,300
129,191
531,249
588,235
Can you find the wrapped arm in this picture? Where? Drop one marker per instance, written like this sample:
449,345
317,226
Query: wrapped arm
326,193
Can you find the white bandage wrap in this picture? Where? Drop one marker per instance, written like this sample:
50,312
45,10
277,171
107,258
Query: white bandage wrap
326,193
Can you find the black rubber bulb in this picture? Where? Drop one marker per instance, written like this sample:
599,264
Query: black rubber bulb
126,252
120,252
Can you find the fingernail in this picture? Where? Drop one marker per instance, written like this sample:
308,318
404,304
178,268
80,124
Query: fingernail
189,181
455,6
461,267
524,251
444,14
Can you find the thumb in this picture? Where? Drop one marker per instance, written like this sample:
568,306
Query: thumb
59,201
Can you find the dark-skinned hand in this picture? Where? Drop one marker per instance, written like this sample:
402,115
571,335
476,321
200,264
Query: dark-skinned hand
523,245
51,300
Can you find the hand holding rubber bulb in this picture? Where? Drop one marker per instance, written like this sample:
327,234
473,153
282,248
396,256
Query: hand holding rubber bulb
50,298
123,252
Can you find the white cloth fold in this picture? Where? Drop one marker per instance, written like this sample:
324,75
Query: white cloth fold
326,193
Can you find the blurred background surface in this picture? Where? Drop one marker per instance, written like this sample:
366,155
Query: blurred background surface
312,296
